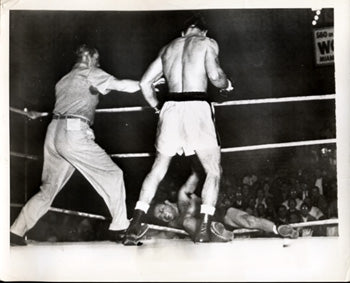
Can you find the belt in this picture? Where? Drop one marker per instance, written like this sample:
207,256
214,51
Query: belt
59,117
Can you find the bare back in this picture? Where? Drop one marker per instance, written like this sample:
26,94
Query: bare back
183,63
187,63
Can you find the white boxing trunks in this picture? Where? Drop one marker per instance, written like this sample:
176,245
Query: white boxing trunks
185,127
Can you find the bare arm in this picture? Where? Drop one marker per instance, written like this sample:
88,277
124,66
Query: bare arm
191,184
215,74
186,191
152,74
124,85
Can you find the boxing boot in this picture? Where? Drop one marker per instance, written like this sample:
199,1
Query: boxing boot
203,231
16,240
116,236
136,229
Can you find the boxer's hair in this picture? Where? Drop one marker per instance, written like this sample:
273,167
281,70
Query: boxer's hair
83,50
196,20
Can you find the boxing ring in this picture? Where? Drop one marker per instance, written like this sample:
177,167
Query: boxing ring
181,259
223,150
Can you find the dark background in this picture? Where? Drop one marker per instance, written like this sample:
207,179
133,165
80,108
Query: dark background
268,53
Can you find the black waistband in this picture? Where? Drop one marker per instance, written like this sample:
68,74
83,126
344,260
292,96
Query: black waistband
186,96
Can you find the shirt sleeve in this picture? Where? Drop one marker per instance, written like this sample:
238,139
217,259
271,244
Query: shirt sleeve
100,80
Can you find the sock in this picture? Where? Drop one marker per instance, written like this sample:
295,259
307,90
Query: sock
207,209
141,205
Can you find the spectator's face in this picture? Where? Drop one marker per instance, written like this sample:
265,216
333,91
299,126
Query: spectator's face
304,210
315,192
165,212
231,195
226,202
291,204
293,193
238,196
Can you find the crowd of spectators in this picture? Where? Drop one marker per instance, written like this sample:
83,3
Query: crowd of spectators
288,195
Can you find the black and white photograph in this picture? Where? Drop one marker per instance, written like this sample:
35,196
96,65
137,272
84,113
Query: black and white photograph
151,141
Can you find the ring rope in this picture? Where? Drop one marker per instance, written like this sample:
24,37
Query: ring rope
128,155
18,111
223,150
275,100
25,112
333,221
241,148
278,145
22,155
123,109
248,231
228,103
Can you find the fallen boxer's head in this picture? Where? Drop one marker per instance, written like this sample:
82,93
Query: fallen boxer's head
166,212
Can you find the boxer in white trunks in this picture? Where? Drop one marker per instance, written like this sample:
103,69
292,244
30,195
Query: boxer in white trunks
185,122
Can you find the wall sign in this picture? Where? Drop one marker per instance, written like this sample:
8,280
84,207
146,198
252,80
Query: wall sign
324,46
